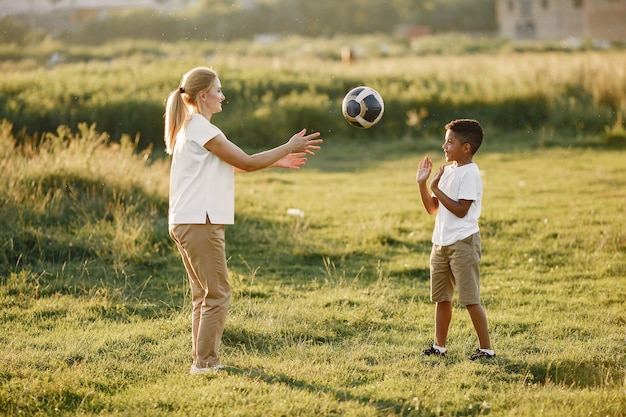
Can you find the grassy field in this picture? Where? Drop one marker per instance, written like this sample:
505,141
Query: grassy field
330,310
281,87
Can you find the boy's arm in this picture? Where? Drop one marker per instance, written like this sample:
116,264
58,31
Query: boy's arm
458,208
430,203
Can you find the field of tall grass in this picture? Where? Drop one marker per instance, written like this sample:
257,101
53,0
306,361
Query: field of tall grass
277,88
330,310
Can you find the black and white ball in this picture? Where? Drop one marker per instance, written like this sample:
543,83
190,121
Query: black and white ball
363,107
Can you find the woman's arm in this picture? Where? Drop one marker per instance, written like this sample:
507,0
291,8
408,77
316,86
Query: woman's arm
292,161
300,143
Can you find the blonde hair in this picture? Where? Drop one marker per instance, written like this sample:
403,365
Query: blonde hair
180,100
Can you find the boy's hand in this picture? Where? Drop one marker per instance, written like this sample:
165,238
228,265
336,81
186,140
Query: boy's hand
424,170
434,183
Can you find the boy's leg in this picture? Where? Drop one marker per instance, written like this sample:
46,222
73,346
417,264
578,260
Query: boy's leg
441,292
466,269
479,320
443,316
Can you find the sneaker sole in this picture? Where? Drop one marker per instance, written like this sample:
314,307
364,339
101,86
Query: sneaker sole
195,371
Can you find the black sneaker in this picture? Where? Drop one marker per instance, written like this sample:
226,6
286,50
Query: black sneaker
479,354
431,351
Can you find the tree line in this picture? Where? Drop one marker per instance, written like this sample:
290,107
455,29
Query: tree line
218,19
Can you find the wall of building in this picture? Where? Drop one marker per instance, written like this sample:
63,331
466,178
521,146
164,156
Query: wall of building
606,19
561,19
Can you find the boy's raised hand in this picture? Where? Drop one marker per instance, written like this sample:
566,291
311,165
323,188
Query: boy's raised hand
424,170
434,183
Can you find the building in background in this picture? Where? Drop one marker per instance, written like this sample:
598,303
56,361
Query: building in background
562,19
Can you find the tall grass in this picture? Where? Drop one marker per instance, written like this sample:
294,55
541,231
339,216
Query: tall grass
274,90
330,310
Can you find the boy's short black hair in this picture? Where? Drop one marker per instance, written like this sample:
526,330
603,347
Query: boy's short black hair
468,131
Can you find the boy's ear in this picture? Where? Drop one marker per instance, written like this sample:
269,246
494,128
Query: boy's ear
467,147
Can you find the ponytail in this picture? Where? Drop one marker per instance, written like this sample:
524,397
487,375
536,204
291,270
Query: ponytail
177,108
175,116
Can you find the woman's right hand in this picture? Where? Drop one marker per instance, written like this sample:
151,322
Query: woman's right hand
301,142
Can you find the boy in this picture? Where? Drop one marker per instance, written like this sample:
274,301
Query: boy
454,260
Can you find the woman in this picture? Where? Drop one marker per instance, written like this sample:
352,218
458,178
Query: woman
202,199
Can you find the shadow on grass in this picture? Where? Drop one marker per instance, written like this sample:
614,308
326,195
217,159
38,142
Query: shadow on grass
565,373
66,229
400,408
331,330
568,373
272,247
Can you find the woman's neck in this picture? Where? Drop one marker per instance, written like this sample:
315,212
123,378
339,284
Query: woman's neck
206,115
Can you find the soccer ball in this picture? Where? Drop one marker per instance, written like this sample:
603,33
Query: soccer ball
363,107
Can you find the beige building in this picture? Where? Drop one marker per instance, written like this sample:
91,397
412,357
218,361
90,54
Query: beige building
562,19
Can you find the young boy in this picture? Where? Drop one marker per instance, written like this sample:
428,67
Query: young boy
454,260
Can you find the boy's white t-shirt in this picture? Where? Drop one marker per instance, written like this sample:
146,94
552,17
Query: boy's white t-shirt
458,183
201,184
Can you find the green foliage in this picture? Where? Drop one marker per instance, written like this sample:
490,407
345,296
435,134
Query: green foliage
274,90
616,134
330,310
457,16
233,21
13,31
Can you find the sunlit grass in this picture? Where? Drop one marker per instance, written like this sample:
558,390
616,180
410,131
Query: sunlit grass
330,310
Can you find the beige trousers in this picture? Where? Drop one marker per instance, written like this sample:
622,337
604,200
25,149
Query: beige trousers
203,250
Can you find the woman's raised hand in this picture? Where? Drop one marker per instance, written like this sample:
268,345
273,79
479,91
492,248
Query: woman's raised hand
301,142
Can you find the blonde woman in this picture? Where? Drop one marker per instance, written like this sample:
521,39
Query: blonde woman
201,199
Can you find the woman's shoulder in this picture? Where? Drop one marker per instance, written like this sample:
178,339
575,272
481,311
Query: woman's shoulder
200,125
198,120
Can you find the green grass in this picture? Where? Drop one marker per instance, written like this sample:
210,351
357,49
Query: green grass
330,311
300,82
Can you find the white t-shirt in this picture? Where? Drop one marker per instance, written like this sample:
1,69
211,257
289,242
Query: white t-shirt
458,183
201,184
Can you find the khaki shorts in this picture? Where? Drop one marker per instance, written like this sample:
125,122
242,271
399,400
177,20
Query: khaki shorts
456,265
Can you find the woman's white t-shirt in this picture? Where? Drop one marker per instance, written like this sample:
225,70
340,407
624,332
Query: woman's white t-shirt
201,184
458,183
